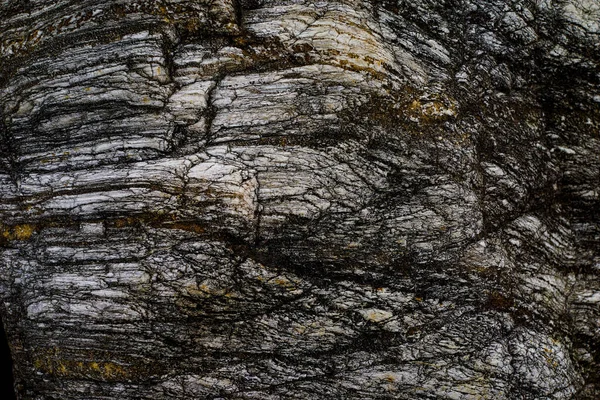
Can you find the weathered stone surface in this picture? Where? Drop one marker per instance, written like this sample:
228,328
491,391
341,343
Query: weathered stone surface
277,199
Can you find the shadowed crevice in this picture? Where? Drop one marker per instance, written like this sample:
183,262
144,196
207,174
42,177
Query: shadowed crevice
6,379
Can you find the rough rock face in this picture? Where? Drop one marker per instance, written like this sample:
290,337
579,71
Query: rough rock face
278,199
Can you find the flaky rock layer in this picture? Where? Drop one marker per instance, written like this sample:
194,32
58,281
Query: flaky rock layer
279,199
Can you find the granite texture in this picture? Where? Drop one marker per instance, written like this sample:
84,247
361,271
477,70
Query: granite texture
294,199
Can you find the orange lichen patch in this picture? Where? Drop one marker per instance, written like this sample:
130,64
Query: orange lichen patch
18,232
283,282
192,17
356,63
205,290
193,299
314,328
549,357
23,232
241,40
429,111
54,363
410,111
124,222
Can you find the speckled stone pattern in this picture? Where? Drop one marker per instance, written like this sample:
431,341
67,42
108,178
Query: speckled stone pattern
299,199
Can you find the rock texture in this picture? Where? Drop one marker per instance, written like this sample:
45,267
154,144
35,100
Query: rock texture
295,199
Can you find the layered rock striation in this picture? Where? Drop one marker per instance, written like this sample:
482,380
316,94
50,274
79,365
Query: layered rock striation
279,199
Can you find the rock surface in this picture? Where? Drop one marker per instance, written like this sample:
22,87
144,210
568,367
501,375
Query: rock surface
294,199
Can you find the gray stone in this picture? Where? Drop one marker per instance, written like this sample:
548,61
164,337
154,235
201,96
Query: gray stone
293,199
